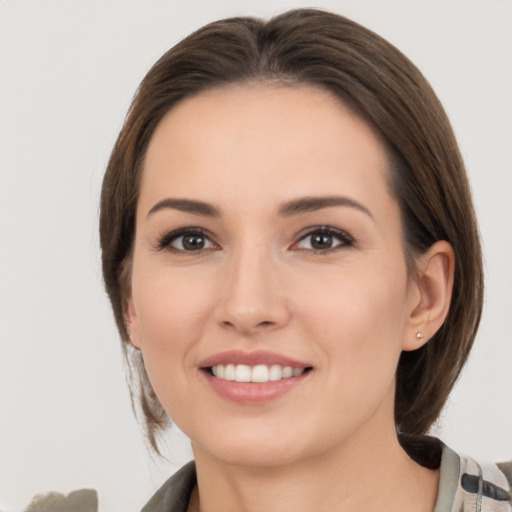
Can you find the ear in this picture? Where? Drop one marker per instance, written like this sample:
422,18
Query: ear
431,294
131,322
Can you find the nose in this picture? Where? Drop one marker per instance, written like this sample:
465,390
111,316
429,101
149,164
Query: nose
252,298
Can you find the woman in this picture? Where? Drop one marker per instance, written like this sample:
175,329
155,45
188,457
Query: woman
291,253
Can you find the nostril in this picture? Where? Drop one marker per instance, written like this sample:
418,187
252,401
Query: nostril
249,320
231,325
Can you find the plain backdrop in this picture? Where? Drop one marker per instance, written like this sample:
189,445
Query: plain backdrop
68,70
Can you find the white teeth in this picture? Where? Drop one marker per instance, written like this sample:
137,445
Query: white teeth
243,373
229,372
287,372
276,372
258,373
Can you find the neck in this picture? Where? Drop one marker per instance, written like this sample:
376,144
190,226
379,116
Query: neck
363,474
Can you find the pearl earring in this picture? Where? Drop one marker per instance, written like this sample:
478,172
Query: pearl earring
419,335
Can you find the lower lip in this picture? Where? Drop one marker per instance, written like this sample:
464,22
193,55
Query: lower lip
253,392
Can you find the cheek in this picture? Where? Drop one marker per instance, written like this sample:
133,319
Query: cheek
169,304
358,320
169,320
171,314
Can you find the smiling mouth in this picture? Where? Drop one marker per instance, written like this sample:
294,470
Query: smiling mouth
259,373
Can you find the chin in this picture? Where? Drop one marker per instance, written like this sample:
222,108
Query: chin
256,448
256,456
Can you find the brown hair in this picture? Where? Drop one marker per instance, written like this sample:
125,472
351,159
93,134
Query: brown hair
318,48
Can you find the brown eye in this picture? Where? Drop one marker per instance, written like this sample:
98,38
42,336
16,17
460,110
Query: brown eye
186,240
189,242
321,241
324,239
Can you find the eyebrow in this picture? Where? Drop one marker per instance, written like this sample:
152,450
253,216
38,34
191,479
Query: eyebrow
288,209
312,204
187,206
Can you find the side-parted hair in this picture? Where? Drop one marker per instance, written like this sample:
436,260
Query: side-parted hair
369,75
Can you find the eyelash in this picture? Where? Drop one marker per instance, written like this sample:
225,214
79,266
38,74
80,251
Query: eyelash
166,240
346,241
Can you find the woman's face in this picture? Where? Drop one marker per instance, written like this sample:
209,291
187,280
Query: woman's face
268,248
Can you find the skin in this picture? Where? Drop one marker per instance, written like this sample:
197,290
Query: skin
347,309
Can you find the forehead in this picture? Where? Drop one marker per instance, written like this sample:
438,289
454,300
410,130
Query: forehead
281,140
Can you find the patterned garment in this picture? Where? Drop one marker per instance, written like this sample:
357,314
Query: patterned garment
467,486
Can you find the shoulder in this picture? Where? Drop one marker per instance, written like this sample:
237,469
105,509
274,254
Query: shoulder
465,485
174,495
468,485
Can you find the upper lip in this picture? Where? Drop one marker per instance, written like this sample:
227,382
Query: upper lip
251,359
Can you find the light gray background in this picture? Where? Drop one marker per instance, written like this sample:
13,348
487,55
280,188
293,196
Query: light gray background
68,70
